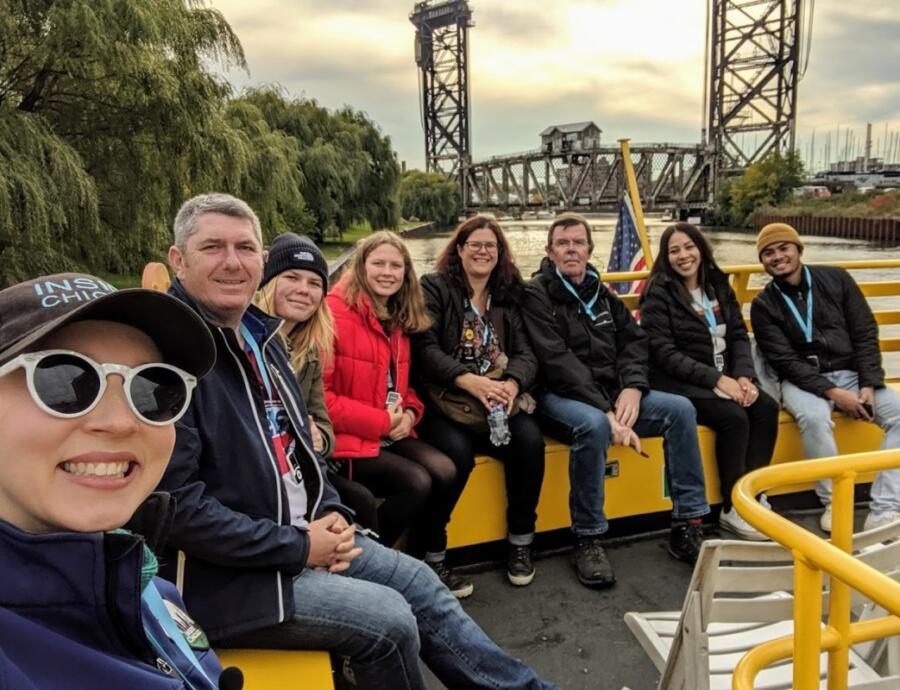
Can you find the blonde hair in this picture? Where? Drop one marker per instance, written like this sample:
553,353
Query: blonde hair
405,308
315,335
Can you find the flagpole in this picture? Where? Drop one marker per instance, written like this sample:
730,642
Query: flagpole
631,184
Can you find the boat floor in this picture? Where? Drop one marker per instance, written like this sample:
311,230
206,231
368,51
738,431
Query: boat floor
575,636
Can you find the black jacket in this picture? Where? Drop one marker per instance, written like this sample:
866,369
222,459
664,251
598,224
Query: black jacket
579,359
845,334
237,551
681,350
434,348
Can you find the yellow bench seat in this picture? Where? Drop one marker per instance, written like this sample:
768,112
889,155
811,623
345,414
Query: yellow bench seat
634,485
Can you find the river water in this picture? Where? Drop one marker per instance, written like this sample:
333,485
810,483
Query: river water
528,239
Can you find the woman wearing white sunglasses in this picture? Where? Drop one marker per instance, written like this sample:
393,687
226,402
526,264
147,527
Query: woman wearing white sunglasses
91,384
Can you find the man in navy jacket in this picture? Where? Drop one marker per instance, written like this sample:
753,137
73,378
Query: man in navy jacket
267,556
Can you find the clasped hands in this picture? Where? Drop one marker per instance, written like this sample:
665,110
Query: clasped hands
742,390
331,543
489,390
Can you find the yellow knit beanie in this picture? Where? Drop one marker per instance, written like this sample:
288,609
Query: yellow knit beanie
776,232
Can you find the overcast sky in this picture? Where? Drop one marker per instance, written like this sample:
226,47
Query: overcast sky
635,67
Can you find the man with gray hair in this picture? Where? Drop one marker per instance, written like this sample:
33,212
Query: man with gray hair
267,555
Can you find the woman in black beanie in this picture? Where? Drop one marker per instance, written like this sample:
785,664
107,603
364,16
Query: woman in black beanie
293,287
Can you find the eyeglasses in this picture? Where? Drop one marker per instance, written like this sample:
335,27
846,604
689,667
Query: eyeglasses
479,246
565,244
68,384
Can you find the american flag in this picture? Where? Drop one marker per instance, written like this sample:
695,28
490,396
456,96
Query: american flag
626,253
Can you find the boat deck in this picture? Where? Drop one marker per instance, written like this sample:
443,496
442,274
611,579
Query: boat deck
575,636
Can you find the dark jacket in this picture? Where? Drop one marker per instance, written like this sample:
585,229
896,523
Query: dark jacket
434,347
681,349
845,334
238,552
309,379
580,359
72,617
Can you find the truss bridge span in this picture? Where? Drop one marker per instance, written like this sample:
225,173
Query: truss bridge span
670,176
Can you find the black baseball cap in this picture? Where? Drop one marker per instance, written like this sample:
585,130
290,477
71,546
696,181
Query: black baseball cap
36,308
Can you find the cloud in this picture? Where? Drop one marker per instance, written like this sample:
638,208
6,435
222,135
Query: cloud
635,68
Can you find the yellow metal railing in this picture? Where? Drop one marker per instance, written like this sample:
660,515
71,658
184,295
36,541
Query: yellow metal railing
740,282
813,557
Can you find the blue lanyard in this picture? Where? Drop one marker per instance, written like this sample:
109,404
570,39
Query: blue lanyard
805,325
708,310
154,601
260,364
485,322
587,306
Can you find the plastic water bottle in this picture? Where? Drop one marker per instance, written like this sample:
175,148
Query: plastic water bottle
498,422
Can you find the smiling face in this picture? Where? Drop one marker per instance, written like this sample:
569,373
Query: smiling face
384,268
479,254
298,293
782,260
684,256
570,251
84,474
221,266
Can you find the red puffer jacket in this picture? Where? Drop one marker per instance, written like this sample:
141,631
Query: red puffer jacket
356,380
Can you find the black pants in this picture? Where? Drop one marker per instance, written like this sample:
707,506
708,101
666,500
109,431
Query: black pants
523,460
745,436
414,479
359,499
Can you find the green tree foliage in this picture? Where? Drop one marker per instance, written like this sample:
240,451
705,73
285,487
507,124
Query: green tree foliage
111,116
429,196
766,183
349,169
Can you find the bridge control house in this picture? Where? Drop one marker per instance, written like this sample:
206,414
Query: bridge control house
574,137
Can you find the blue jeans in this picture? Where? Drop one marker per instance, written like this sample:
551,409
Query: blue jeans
813,417
586,428
379,615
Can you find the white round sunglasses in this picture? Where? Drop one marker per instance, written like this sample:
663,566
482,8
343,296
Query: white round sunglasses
68,384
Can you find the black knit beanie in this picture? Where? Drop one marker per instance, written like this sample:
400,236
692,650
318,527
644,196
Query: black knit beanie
293,251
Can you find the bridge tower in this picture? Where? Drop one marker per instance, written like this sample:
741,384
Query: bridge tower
442,55
753,74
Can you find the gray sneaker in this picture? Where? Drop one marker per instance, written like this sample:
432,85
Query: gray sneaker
519,568
458,586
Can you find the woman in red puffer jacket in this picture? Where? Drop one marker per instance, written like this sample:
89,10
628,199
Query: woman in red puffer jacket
376,305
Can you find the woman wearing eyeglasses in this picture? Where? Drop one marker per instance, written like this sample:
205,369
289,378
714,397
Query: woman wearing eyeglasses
699,348
92,382
477,350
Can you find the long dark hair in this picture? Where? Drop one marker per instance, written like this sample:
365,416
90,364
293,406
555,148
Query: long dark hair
505,276
663,267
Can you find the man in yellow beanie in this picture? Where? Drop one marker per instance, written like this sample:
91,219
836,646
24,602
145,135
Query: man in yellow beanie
815,328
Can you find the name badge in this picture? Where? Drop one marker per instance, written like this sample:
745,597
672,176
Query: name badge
604,318
720,362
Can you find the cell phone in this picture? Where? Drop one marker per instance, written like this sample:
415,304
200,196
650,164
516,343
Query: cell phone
392,397
868,408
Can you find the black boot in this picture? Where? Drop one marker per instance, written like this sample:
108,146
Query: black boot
591,563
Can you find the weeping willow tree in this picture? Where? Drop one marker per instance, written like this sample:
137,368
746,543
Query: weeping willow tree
349,170
111,116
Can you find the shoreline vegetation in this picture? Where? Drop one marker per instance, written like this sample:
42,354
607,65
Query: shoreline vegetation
848,204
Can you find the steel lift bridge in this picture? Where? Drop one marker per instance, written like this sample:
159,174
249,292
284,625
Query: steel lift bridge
752,72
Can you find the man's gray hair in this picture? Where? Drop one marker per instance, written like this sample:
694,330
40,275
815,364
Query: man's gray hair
216,202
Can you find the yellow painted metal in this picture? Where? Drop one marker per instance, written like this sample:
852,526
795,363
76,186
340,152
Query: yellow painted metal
839,597
813,556
634,194
267,669
807,627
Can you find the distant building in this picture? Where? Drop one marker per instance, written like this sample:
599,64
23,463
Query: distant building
577,136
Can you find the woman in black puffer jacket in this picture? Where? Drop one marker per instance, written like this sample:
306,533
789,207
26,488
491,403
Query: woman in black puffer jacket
699,348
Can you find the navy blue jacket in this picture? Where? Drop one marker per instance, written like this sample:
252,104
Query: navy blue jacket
72,618
237,552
